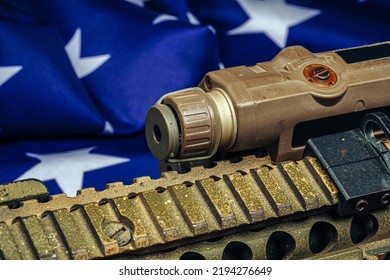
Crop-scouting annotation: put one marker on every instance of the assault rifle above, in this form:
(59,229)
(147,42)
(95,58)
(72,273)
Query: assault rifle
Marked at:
(286,159)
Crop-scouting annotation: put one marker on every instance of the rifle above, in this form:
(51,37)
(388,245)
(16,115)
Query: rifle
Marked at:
(287,159)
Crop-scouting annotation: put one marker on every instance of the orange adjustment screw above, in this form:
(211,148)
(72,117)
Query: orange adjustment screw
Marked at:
(320,75)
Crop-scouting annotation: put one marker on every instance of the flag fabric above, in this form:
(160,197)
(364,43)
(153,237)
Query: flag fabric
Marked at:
(77,77)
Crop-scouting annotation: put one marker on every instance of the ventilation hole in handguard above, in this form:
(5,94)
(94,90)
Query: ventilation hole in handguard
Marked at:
(280,245)
(363,227)
(192,256)
(322,236)
(236,250)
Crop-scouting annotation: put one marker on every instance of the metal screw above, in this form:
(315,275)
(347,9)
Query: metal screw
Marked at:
(385,199)
(119,232)
(320,73)
(361,205)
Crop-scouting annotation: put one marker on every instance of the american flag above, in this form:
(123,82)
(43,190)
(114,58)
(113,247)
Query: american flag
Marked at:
(77,77)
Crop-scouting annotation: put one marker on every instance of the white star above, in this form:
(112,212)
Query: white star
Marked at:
(83,66)
(68,168)
(7,72)
(272,17)
(139,3)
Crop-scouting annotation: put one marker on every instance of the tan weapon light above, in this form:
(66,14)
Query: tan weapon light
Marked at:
(261,106)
